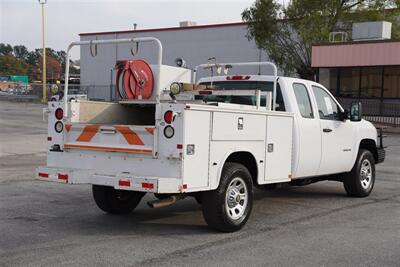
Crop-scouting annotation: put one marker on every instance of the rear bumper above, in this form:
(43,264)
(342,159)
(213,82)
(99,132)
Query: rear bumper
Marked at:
(381,155)
(123,181)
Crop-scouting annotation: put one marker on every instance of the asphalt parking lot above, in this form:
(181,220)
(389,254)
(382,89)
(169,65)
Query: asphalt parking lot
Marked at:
(51,224)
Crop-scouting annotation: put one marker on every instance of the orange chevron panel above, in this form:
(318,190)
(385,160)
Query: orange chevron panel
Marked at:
(88,133)
(150,130)
(130,136)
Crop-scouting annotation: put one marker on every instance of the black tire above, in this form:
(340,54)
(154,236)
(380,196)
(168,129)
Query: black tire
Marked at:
(199,199)
(115,201)
(216,211)
(356,183)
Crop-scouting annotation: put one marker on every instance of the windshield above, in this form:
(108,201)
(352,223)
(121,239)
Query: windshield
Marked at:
(264,86)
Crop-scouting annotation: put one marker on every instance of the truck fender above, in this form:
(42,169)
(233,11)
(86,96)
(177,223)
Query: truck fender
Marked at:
(223,161)
(367,132)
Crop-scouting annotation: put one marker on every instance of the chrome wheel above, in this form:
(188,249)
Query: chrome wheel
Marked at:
(236,198)
(366,173)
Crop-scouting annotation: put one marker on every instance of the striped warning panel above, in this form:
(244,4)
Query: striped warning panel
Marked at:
(115,138)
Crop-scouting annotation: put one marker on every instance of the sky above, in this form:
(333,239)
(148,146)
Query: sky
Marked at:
(20,20)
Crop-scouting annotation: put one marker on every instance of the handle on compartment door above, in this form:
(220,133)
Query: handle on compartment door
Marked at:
(327,130)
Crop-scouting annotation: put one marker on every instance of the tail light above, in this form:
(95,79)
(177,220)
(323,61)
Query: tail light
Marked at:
(168,116)
(237,78)
(59,114)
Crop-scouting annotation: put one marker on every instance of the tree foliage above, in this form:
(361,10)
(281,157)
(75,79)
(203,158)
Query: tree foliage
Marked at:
(287,33)
(18,60)
(12,66)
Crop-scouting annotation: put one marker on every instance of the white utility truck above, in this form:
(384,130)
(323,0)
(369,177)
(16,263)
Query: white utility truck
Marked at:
(214,139)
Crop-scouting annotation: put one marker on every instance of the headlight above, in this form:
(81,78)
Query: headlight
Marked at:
(175,88)
(58,126)
(169,131)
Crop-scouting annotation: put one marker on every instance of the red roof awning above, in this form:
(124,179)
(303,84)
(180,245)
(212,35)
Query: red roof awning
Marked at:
(356,54)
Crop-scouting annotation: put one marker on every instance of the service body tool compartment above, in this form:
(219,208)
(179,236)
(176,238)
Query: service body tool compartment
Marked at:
(229,126)
(278,150)
(196,148)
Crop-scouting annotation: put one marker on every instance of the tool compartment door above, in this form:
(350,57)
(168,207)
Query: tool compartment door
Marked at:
(197,126)
(238,127)
(278,165)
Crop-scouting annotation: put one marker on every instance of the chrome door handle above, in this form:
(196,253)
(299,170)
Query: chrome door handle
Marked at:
(327,130)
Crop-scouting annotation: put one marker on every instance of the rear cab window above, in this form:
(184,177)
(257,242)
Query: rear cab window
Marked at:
(303,100)
(264,86)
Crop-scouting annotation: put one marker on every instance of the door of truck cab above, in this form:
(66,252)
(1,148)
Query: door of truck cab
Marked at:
(337,135)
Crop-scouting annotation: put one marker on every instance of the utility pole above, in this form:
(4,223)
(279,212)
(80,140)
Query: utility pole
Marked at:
(44,99)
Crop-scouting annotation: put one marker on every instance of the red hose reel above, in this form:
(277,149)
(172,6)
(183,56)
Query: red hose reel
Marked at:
(134,79)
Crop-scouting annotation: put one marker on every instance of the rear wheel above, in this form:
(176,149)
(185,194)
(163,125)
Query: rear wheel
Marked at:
(228,208)
(360,181)
(115,201)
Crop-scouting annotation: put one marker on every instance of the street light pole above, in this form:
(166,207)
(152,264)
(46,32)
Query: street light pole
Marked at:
(44,99)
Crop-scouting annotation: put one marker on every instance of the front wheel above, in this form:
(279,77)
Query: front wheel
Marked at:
(228,208)
(115,201)
(361,179)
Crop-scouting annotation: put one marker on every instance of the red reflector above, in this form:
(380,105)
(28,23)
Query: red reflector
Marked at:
(49,138)
(188,107)
(205,92)
(124,183)
(179,146)
(63,177)
(59,114)
(237,77)
(44,175)
(168,116)
(184,186)
(147,185)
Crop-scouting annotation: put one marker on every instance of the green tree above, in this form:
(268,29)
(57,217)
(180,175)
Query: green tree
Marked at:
(10,65)
(287,33)
(6,49)
(21,52)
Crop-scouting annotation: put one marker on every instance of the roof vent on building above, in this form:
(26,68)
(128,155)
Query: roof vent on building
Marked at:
(376,30)
(187,23)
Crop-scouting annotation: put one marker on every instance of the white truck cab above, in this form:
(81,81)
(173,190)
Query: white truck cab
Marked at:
(214,141)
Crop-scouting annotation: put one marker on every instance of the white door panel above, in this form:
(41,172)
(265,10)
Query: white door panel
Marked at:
(307,134)
(278,159)
(337,146)
(309,147)
(337,136)
(196,133)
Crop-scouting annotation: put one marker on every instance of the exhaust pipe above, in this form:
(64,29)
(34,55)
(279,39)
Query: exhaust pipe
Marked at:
(160,203)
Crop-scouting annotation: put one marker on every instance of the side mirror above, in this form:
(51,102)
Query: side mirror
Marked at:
(355,111)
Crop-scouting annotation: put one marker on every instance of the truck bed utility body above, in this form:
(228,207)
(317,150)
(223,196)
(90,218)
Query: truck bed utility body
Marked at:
(205,142)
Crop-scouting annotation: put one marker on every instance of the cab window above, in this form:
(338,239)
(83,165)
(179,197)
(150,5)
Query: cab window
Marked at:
(303,100)
(244,100)
(327,107)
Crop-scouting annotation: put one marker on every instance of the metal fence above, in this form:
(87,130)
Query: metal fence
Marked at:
(376,110)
